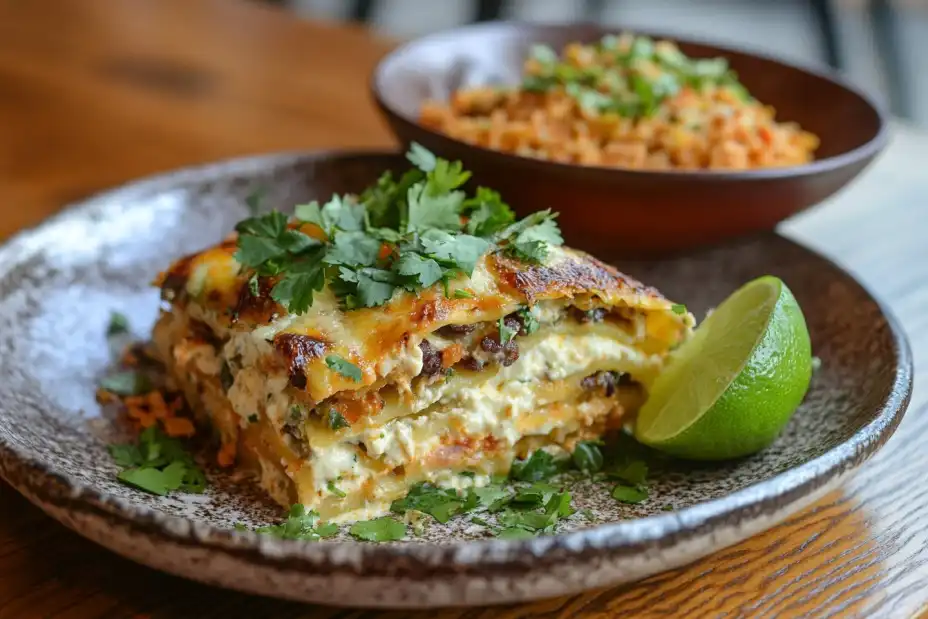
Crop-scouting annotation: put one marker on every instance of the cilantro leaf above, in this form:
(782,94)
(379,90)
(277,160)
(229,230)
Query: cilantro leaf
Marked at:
(340,212)
(336,420)
(386,203)
(428,210)
(384,529)
(330,529)
(629,494)
(300,525)
(539,466)
(126,455)
(678,308)
(417,271)
(374,287)
(489,495)
(530,323)
(421,157)
(634,472)
(295,290)
(488,213)
(344,367)
(446,177)
(127,382)
(118,324)
(253,251)
(270,225)
(148,479)
(353,249)
(515,533)
(331,487)
(158,464)
(506,334)
(587,457)
(460,293)
(461,251)
(440,503)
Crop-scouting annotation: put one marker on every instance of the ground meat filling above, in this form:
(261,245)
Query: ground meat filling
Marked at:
(431,359)
(607,381)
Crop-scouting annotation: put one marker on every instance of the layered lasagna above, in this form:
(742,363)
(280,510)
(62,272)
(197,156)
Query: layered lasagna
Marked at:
(345,402)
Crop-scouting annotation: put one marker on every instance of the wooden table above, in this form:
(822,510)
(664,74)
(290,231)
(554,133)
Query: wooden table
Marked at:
(96,92)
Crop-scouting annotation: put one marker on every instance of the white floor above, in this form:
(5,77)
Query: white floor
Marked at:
(781,27)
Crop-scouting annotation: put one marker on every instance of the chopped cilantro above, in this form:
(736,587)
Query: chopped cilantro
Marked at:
(530,323)
(678,308)
(488,214)
(506,334)
(460,293)
(515,532)
(127,382)
(411,233)
(539,466)
(336,421)
(344,367)
(587,457)
(667,508)
(634,472)
(588,514)
(300,525)
(118,324)
(331,487)
(629,494)
(418,271)
(384,529)
(158,464)
(421,157)
(440,503)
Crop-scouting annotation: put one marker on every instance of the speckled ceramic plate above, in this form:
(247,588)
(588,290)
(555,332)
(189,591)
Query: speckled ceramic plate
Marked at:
(59,283)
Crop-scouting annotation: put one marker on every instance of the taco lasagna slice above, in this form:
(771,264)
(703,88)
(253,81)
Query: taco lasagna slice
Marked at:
(408,334)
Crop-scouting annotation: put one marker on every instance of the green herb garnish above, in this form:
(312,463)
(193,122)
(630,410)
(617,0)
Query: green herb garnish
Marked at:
(409,234)
(335,489)
(119,324)
(336,420)
(629,494)
(384,529)
(506,334)
(678,308)
(587,457)
(300,525)
(530,323)
(158,464)
(343,367)
(539,466)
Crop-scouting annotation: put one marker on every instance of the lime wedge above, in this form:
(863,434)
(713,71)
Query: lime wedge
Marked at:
(730,389)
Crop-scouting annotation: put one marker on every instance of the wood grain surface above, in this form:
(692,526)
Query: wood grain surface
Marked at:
(96,92)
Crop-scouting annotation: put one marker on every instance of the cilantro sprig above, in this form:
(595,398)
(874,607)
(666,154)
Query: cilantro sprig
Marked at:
(410,234)
(158,464)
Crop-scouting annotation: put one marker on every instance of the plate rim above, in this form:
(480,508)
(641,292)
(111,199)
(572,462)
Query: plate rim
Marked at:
(35,478)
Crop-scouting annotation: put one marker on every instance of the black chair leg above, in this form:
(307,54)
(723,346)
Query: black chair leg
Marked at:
(886,36)
(488,10)
(824,14)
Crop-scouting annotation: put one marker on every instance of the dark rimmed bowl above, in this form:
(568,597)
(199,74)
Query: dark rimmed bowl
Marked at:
(643,212)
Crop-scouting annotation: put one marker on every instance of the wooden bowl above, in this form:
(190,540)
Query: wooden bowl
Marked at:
(638,211)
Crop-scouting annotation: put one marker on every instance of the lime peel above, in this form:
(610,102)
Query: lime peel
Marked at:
(730,389)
